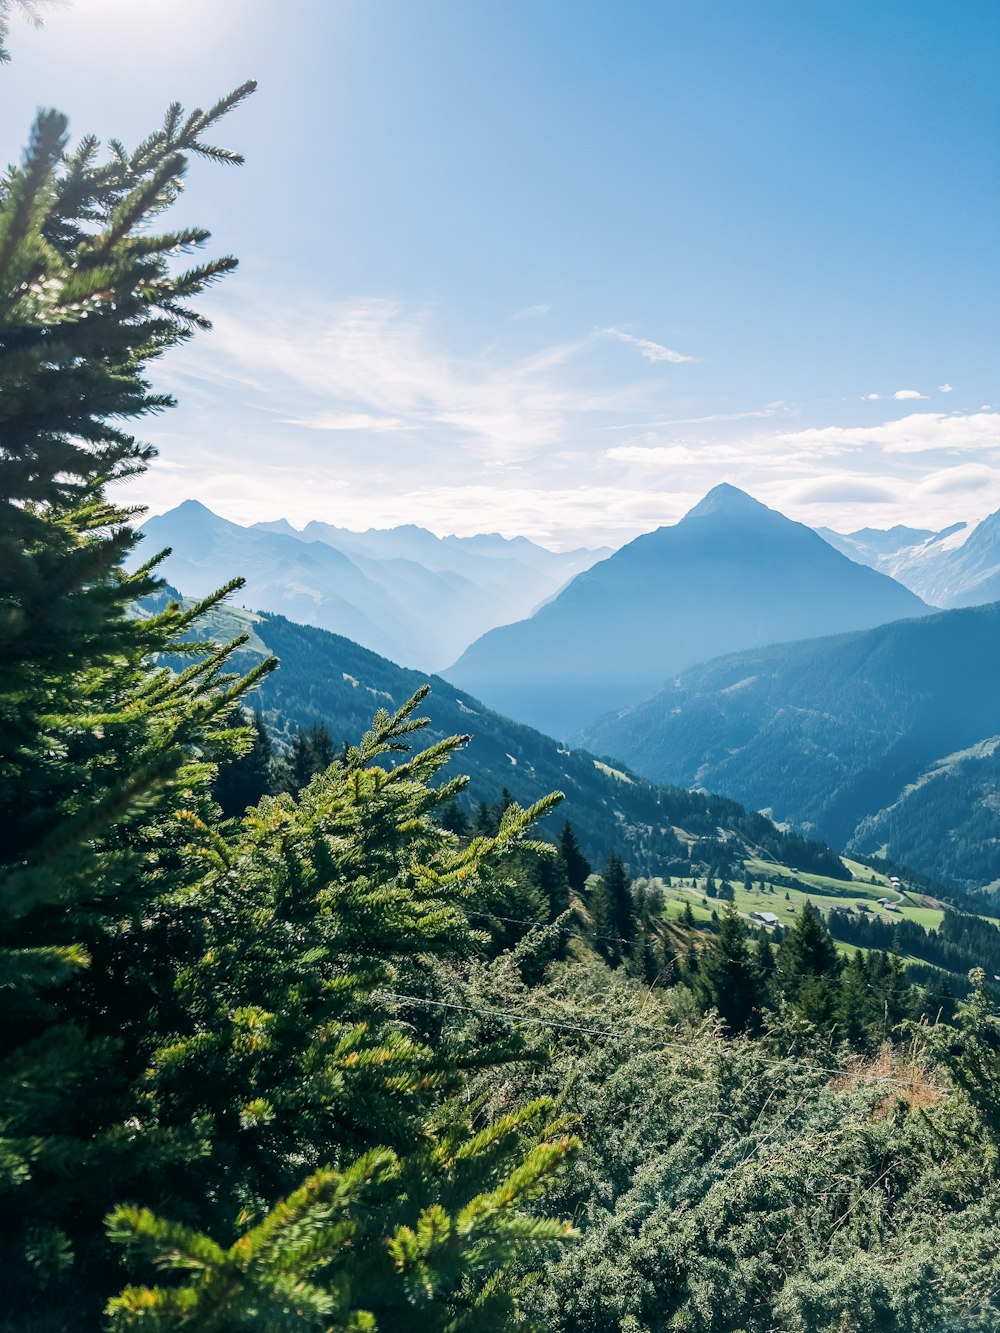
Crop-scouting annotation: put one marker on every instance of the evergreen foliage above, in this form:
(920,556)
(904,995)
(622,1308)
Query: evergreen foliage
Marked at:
(195,1013)
(577,866)
(613,912)
(99,752)
(32,10)
(302,1032)
(728,980)
(762,1184)
(248,776)
(808,963)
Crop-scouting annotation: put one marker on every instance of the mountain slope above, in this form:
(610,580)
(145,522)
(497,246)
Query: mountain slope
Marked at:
(414,597)
(950,568)
(947,820)
(832,734)
(326,678)
(872,546)
(971,574)
(731,574)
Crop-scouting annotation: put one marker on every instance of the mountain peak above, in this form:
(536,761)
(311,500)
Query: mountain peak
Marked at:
(191,507)
(729,500)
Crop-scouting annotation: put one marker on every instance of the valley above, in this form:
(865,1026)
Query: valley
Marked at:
(695,850)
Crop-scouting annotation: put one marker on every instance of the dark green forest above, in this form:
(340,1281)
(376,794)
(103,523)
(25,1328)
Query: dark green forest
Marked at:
(326,680)
(372,1054)
(875,741)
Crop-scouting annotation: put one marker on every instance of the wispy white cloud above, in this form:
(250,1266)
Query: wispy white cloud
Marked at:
(363,421)
(375,366)
(660,455)
(872,397)
(533,311)
(944,388)
(902,394)
(701,453)
(366,412)
(650,351)
(919,432)
(776,409)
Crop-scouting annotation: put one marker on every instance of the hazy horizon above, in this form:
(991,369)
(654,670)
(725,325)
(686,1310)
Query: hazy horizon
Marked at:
(558,270)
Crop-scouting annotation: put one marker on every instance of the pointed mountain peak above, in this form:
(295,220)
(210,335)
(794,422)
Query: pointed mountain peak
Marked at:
(188,516)
(728,500)
(191,508)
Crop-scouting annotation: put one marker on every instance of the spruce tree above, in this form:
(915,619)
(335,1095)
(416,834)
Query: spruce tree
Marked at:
(727,979)
(248,776)
(809,967)
(99,751)
(453,818)
(764,965)
(577,866)
(891,992)
(613,912)
(856,1009)
(195,1017)
(553,882)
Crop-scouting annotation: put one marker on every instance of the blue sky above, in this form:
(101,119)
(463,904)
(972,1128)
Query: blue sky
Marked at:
(557,267)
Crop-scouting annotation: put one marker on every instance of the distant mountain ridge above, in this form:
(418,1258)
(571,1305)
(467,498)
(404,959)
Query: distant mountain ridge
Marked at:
(951,568)
(731,574)
(410,542)
(879,741)
(414,597)
(326,678)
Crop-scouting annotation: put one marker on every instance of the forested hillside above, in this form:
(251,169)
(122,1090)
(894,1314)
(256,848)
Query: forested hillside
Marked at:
(324,678)
(848,737)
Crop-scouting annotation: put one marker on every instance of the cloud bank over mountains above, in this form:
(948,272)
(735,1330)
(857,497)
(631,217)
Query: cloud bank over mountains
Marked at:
(370,412)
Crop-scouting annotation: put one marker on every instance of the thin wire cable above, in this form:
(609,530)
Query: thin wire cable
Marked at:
(513,1016)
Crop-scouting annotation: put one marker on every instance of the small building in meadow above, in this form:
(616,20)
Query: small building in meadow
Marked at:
(765,918)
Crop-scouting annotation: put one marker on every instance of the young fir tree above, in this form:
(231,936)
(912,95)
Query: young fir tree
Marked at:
(577,866)
(809,967)
(193,1018)
(316,1036)
(248,776)
(98,751)
(613,912)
